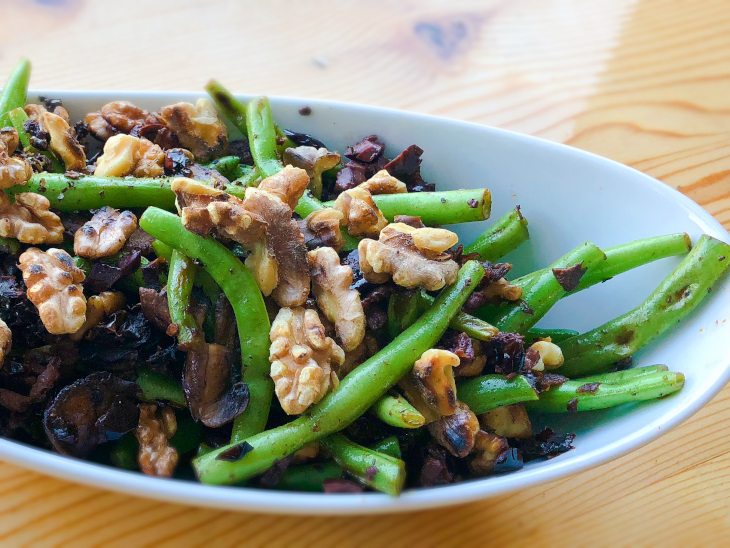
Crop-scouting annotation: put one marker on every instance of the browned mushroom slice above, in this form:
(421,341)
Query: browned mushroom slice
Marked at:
(212,396)
(457,432)
(314,161)
(487,449)
(91,411)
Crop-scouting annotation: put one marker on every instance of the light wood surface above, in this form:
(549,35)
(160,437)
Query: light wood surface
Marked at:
(645,82)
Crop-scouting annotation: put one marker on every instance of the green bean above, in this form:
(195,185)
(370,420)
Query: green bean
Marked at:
(624,257)
(679,293)
(156,386)
(241,290)
(488,392)
(90,192)
(544,291)
(377,470)
(308,477)
(436,208)
(262,136)
(202,278)
(502,237)
(248,176)
(624,375)
(15,90)
(308,204)
(388,446)
(9,246)
(179,288)
(396,411)
(124,453)
(357,392)
(466,323)
(232,108)
(576,396)
(228,166)
(17,118)
(403,310)
(556,335)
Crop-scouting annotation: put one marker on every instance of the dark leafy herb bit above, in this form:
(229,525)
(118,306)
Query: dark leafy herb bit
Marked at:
(407,167)
(588,388)
(303,139)
(545,445)
(338,485)
(236,453)
(569,277)
(505,353)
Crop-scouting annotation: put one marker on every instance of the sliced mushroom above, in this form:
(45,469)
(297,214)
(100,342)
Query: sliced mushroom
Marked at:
(212,396)
(487,450)
(314,161)
(457,432)
(91,411)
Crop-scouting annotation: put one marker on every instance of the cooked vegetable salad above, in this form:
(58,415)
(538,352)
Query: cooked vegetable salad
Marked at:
(200,293)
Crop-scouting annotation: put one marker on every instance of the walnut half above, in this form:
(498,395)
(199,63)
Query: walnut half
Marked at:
(105,234)
(53,281)
(301,359)
(331,283)
(29,219)
(197,127)
(414,257)
(13,170)
(156,457)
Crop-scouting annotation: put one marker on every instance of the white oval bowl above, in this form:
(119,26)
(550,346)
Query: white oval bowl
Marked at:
(568,196)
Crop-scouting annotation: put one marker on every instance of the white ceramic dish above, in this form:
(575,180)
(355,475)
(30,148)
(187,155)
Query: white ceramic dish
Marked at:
(568,196)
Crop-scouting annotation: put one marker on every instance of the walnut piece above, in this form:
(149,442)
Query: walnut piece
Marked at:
(53,281)
(551,356)
(341,305)
(487,449)
(126,155)
(156,457)
(361,216)
(457,432)
(13,170)
(197,127)
(205,210)
(321,228)
(314,161)
(6,341)
(63,141)
(434,377)
(383,183)
(105,234)
(414,257)
(99,307)
(118,117)
(509,421)
(29,219)
(288,185)
(301,358)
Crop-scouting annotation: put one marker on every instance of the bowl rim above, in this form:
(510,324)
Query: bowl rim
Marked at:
(287,502)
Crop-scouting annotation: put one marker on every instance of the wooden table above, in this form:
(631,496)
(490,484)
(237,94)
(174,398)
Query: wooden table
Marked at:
(645,82)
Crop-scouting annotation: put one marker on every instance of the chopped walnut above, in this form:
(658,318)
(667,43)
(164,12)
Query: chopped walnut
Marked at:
(434,377)
(6,341)
(457,432)
(315,161)
(63,141)
(414,257)
(383,183)
(13,170)
(487,449)
(35,112)
(284,244)
(361,216)
(288,185)
(331,283)
(29,219)
(156,457)
(126,155)
(501,290)
(118,117)
(105,234)
(509,421)
(551,356)
(205,210)
(301,358)
(99,307)
(53,281)
(321,228)
(306,453)
(197,127)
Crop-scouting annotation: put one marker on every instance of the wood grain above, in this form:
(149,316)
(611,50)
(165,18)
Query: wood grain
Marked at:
(643,82)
